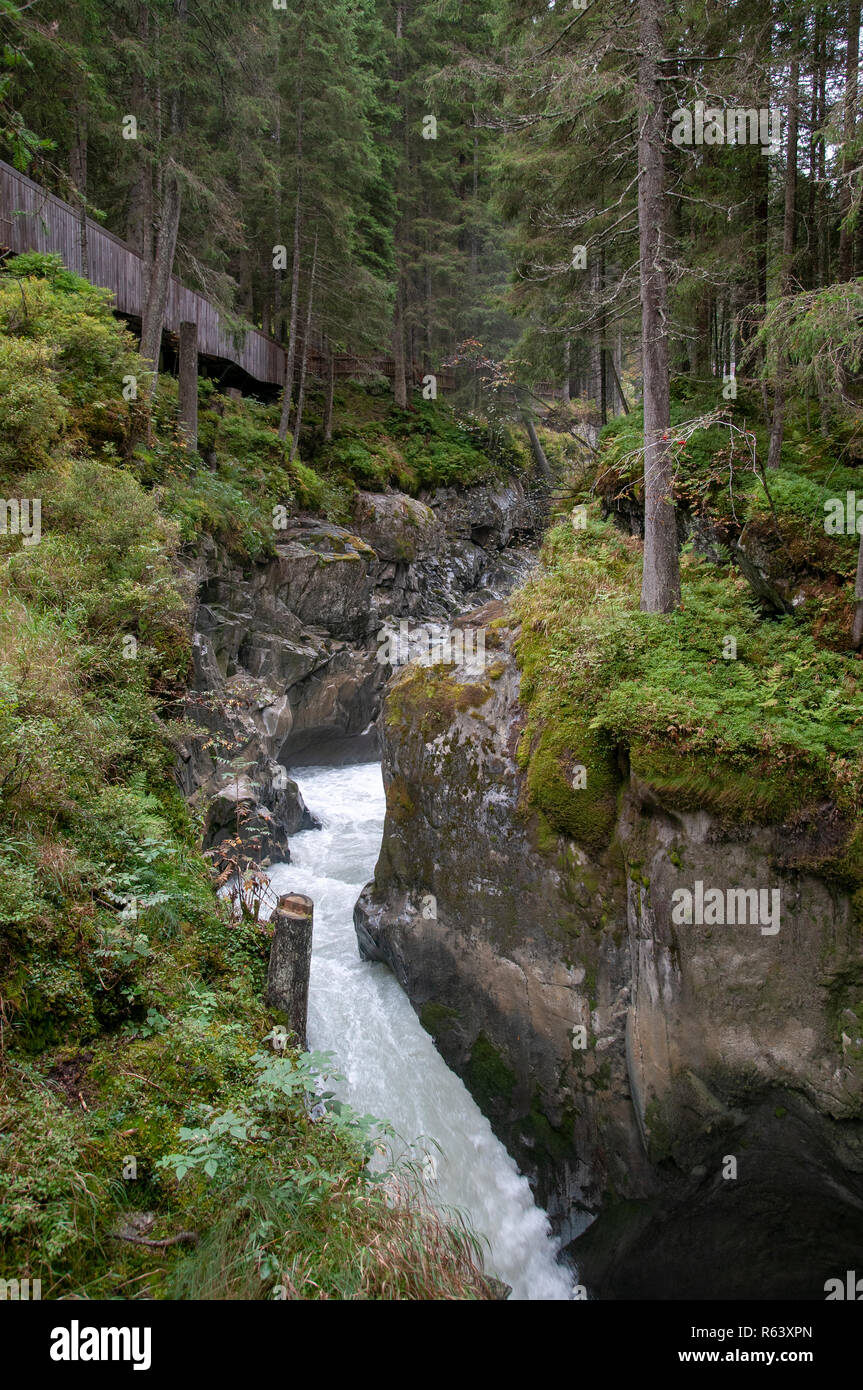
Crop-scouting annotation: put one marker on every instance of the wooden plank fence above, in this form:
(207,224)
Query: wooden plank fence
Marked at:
(32,219)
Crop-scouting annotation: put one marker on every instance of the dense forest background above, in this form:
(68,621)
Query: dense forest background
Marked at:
(416,176)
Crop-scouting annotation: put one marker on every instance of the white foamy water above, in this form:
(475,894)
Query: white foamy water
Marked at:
(358,1012)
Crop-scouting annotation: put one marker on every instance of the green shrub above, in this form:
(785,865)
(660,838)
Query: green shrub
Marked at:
(32,410)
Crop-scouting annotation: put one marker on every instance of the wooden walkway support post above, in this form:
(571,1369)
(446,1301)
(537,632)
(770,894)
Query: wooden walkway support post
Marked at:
(189,383)
(290,961)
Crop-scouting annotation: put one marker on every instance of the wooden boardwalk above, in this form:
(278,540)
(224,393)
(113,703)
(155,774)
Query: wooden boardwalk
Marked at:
(31,219)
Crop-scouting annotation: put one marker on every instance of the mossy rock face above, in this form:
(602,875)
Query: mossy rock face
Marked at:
(573,782)
(553,1142)
(399,803)
(399,528)
(739,794)
(555,923)
(430,698)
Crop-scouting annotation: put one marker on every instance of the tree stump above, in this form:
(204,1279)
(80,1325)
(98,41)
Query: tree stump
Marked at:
(290,961)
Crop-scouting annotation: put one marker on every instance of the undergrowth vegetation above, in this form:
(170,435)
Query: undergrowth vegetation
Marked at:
(713,706)
(720,484)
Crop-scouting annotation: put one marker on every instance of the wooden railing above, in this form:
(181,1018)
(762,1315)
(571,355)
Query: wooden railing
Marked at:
(32,219)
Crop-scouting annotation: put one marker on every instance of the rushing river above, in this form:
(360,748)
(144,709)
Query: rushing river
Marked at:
(391,1067)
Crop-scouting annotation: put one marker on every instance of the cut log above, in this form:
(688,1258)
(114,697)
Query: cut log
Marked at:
(290,962)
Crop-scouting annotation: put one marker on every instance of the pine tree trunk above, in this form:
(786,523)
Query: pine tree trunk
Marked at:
(331,390)
(301,393)
(140,217)
(857,630)
(153,318)
(276,297)
(474,231)
(825,409)
(429,312)
(78,175)
(823,232)
(812,230)
(774,451)
(400,388)
(287,395)
(762,183)
(594,370)
(617,382)
(567,353)
(852,50)
(660,589)
(701,365)
(188,384)
(537,449)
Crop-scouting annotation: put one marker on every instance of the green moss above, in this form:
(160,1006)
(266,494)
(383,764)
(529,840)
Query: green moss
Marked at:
(756,793)
(553,1143)
(334,559)
(376,446)
(590,985)
(604,685)
(399,804)
(659,1133)
(428,698)
(436,1018)
(585,813)
(488,1077)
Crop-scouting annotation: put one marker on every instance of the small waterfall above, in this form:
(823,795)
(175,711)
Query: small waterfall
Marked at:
(358,1012)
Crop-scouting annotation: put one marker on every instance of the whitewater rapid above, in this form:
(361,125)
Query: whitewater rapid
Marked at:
(391,1067)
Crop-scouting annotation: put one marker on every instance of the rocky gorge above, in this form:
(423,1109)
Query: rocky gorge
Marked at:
(289,654)
(669,1087)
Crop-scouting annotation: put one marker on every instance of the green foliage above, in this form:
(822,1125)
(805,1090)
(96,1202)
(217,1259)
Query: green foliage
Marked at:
(321,494)
(32,410)
(817,337)
(89,353)
(429,446)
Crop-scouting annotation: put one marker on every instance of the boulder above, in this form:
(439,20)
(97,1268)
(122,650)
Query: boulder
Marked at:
(399,528)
